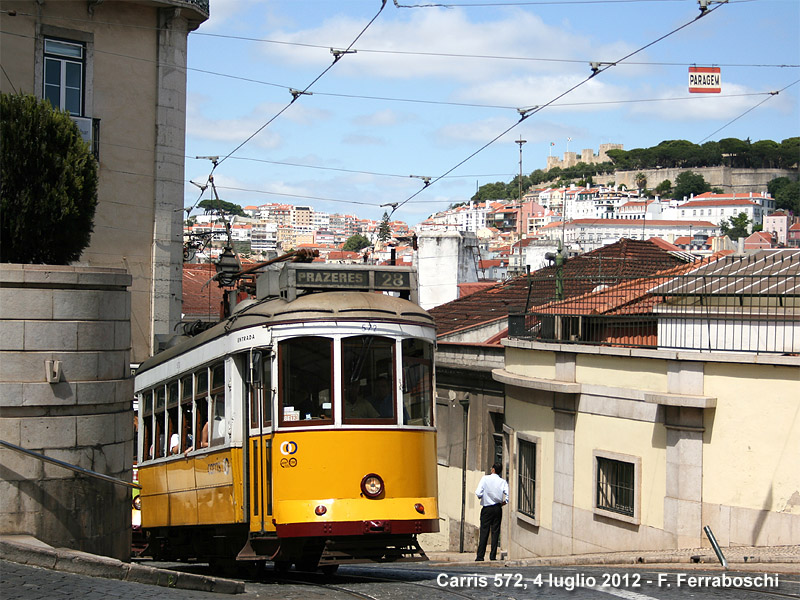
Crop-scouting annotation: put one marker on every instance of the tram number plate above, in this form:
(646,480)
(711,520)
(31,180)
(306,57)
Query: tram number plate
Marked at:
(392,280)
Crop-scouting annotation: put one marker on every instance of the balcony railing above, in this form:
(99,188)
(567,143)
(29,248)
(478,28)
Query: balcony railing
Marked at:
(737,305)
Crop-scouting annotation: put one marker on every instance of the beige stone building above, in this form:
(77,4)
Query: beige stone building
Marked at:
(120,69)
(636,425)
(631,413)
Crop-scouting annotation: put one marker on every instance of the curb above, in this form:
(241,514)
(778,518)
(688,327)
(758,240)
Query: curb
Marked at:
(662,558)
(29,551)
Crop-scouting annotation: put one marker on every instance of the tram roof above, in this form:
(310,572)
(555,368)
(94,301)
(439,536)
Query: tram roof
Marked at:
(323,306)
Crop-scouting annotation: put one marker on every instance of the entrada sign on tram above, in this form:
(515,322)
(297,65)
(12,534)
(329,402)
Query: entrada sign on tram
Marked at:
(705,80)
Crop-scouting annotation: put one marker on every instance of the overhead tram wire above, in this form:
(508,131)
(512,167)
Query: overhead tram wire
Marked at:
(304,91)
(771,95)
(295,95)
(401,52)
(480,56)
(537,3)
(597,68)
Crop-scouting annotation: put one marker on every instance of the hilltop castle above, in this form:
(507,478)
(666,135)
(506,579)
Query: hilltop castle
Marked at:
(587,156)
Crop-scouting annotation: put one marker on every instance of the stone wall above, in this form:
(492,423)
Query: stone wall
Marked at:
(66,392)
(730,180)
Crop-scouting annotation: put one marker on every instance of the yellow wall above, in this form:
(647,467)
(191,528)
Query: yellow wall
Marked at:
(537,421)
(645,440)
(531,363)
(634,373)
(751,455)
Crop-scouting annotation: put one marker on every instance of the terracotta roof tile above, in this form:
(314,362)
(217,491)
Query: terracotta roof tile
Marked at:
(626,258)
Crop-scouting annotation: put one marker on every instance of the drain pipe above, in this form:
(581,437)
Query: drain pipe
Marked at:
(464,402)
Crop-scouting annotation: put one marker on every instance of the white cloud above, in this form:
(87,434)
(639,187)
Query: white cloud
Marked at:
(382,118)
(444,33)
(355,139)
(679,105)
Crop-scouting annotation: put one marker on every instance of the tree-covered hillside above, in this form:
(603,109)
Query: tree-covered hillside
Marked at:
(732,152)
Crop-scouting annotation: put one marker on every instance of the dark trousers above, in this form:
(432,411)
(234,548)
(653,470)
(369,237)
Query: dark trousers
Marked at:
(490,521)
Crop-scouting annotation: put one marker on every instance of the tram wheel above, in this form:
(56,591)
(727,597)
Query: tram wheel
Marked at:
(329,569)
(308,566)
(282,566)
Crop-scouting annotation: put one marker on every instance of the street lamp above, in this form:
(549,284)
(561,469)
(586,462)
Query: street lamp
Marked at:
(520,141)
(464,402)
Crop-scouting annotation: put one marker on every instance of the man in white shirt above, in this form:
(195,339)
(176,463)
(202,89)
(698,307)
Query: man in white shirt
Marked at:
(493,494)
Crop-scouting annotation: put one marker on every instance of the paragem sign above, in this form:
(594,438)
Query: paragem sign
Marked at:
(705,80)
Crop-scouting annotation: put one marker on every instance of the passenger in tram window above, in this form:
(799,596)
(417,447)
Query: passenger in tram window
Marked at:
(218,429)
(356,406)
(203,439)
(174,443)
(204,436)
(384,398)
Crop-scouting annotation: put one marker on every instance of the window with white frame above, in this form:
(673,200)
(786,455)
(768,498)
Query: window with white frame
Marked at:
(64,67)
(617,483)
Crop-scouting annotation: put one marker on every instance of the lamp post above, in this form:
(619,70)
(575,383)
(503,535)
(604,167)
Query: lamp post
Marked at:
(464,402)
(520,141)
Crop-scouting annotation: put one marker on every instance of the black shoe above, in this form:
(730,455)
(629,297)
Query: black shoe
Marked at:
(478,560)
(492,558)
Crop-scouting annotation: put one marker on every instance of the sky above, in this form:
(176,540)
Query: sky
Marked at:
(435,90)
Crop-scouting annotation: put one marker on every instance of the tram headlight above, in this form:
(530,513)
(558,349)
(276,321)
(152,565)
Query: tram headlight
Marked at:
(372,485)
(137,503)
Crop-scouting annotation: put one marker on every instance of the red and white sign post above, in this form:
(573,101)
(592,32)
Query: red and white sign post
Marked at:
(705,80)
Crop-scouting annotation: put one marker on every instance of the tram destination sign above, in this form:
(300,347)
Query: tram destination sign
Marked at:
(354,279)
(286,280)
(705,80)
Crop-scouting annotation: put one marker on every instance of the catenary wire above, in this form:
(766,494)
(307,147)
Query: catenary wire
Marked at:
(772,94)
(305,89)
(601,67)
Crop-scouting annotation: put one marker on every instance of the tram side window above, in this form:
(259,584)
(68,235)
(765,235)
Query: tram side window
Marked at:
(147,424)
(306,381)
(368,379)
(201,408)
(174,444)
(159,448)
(187,389)
(218,404)
(417,382)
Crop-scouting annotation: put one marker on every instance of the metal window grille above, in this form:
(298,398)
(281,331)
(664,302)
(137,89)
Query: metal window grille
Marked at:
(526,501)
(615,486)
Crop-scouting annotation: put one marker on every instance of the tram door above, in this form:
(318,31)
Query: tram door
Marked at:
(259,394)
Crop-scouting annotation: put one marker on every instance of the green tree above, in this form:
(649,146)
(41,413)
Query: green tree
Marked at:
(765,154)
(229,208)
(788,197)
(735,152)
(663,189)
(776,184)
(735,227)
(491,191)
(384,231)
(355,243)
(48,183)
(641,182)
(790,153)
(688,183)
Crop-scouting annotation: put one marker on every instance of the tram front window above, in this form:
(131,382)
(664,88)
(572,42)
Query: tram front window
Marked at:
(417,382)
(306,381)
(368,379)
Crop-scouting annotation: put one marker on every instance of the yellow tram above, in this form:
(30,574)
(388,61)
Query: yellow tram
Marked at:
(299,430)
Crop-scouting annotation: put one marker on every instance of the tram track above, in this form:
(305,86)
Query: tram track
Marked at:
(401,579)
